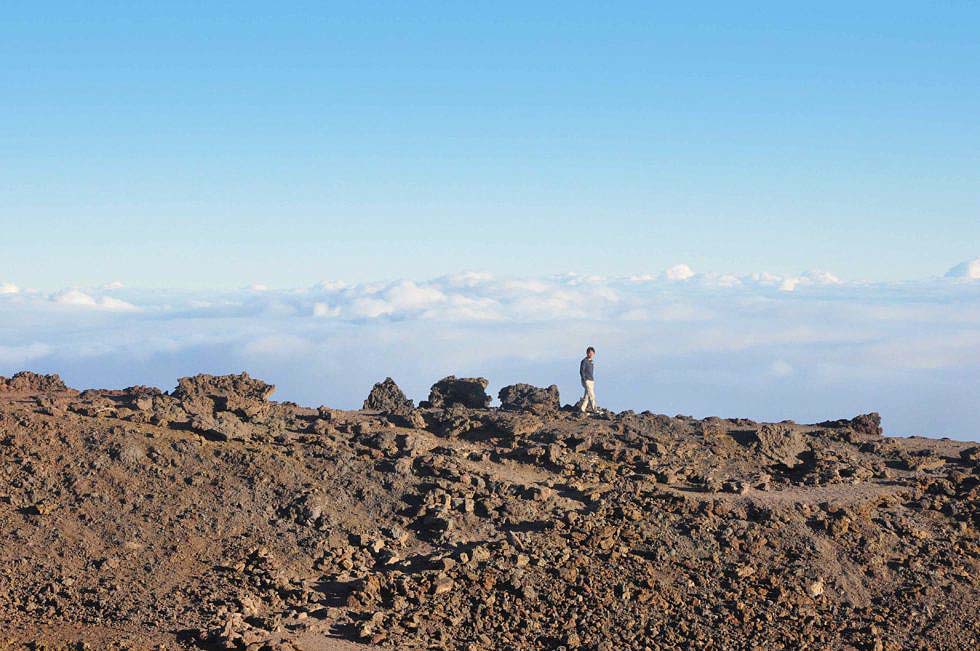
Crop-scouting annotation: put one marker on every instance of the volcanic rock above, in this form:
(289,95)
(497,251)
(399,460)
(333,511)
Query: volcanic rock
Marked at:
(206,395)
(781,444)
(29,382)
(261,525)
(242,387)
(386,396)
(971,454)
(526,397)
(867,424)
(465,392)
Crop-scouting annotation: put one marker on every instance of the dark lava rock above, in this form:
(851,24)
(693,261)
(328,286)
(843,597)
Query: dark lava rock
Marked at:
(465,391)
(526,397)
(388,397)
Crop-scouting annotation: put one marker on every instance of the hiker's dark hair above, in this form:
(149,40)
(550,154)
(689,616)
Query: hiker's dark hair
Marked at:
(590,349)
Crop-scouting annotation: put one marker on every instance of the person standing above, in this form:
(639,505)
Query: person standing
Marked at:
(586,371)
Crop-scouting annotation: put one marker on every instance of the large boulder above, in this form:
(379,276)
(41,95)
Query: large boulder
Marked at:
(387,397)
(527,397)
(465,391)
(204,395)
(781,444)
(241,386)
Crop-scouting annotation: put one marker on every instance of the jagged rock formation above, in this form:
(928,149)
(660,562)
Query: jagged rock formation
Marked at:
(526,397)
(387,397)
(214,518)
(465,391)
(29,382)
(781,444)
(204,394)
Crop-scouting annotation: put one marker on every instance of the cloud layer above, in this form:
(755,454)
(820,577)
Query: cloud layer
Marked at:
(808,346)
(969,270)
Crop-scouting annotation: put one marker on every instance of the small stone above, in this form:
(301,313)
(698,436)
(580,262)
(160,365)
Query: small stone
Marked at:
(445,564)
(480,554)
(442,584)
(744,571)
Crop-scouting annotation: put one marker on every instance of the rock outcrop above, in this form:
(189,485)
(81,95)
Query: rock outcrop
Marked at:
(465,391)
(224,407)
(223,390)
(29,382)
(780,444)
(867,424)
(526,397)
(386,396)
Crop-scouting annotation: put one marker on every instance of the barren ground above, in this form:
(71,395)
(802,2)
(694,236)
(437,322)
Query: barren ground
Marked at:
(211,517)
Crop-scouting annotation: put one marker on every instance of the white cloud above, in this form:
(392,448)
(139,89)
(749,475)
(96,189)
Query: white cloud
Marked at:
(370,308)
(789,284)
(466,279)
(969,270)
(527,285)
(16,356)
(277,345)
(110,303)
(822,278)
(78,298)
(783,283)
(636,314)
(684,312)
(765,278)
(728,280)
(464,308)
(406,295)
(74,297)
(679,272)
(324,310)
(641,278)
(725,344)
(330,285)
(9,288)
(781,368)
(115,284)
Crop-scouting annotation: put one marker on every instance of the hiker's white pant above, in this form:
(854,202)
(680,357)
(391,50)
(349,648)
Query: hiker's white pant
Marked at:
(588,400)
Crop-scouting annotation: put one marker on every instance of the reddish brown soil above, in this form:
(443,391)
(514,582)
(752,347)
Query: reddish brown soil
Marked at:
(213,518)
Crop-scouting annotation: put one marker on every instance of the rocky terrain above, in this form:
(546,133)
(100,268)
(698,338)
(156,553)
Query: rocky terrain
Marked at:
(211,517)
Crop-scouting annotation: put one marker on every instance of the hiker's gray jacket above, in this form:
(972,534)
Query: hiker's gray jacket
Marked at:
(585,370)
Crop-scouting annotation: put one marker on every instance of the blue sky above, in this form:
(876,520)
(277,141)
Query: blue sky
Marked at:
(207,145)
(750,211)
